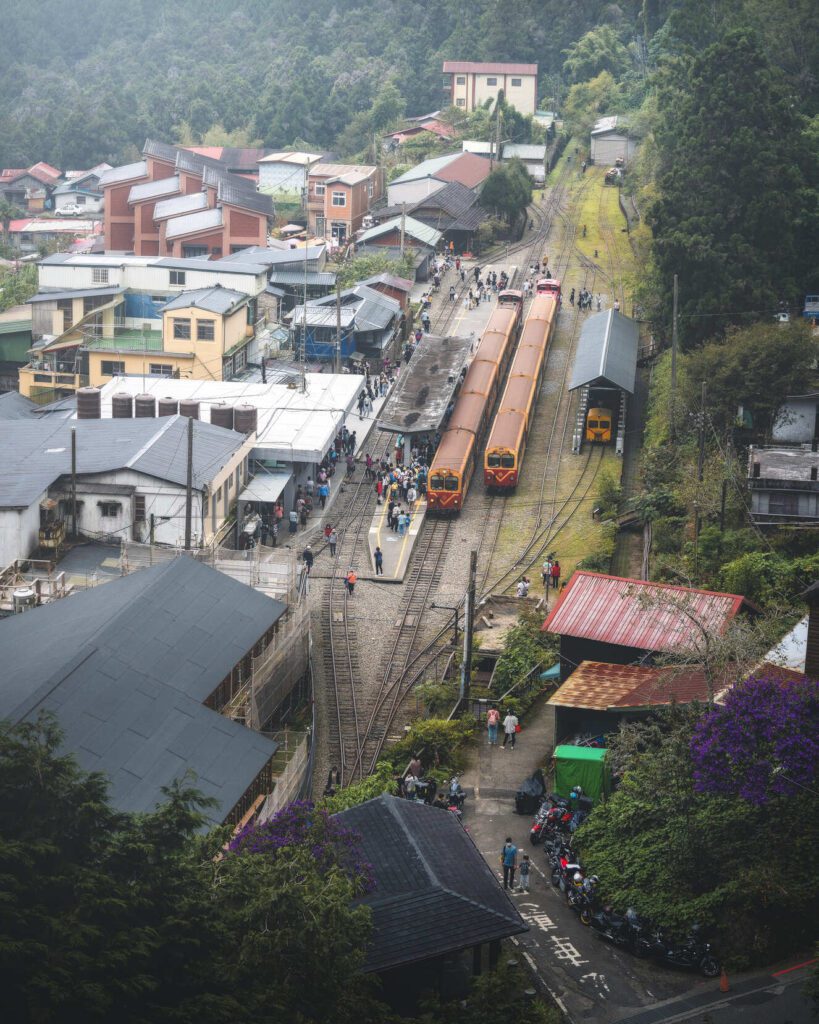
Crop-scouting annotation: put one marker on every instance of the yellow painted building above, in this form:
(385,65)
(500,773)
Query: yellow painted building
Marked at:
(200,328)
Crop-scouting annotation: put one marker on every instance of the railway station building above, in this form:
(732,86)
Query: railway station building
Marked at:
(294,426)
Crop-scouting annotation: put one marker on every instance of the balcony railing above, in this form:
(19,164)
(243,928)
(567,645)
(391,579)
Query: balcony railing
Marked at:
(763,483)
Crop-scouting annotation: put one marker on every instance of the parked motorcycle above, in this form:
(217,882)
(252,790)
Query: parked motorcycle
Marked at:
(628,931)
(582,899)
(548,814)
(692,953)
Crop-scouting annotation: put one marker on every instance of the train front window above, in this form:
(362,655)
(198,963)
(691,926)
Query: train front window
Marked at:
(436,483)
(593,424)
(605,424)
(508,461)
(451,483)
(493,460)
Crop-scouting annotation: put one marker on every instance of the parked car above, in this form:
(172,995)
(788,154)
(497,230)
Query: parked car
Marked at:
(69,210)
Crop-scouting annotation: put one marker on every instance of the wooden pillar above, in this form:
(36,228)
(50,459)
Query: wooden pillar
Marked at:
(494,953)
(476,960)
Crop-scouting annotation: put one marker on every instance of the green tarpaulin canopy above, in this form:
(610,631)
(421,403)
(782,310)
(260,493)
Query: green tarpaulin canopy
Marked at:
(551,673)
(582,766)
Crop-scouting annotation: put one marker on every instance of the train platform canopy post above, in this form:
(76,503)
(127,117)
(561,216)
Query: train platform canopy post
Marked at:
(582,766)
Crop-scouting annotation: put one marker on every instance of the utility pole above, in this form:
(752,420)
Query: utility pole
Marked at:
(337,361)
(674,363)
(403,226)
(469,623)
(74,482)
(700,469)
(189,487)
(304,335)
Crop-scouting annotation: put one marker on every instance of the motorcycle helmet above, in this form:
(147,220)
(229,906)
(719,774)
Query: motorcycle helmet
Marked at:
(594,880)
(578,878)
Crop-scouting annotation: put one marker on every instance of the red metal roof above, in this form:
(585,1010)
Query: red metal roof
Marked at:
(601,686)
(636,613)
(45,172)
(480,68)
(468,168)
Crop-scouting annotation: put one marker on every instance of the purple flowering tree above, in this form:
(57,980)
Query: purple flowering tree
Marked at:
(301,825)
(763,742)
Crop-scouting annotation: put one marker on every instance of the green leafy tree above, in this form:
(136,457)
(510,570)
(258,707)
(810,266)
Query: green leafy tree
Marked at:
(680,857)
(508,191)
(109,916)
(756,367)
(596,51)
(727,215)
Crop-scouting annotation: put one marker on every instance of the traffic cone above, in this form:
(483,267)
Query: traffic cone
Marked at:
(723,982)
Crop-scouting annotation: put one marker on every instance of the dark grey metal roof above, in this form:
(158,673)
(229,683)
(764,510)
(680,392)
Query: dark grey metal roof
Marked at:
(37,453)
(126,670)
(273,257)
(426,386)
(214,300)
(14,406)
(373,310)
(247,198)
(160,150)
(73,293)
(220,266)
(294,277)
(607,352)
(434,892)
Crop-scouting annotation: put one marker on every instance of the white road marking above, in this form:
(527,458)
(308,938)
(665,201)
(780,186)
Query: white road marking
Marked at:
(564,950)
(599,982)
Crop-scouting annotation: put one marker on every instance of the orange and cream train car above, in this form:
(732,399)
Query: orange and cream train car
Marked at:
(506,444)
(454,461)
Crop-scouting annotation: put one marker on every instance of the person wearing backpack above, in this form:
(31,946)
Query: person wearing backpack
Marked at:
(492,722)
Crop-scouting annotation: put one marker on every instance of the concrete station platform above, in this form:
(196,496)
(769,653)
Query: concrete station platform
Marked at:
(397,549)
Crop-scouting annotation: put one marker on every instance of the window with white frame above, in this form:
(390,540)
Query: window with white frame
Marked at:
(517,82)
(99,275)
(320,188)
(109,509)
(491,81)
(460,80)
(160,369)
(460,103)
(339,198)
(177,276)
(112,368)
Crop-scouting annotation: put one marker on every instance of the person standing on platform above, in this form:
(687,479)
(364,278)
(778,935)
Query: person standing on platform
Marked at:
(379,562)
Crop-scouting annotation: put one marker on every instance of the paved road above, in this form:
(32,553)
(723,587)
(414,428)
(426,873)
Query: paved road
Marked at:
(589,977)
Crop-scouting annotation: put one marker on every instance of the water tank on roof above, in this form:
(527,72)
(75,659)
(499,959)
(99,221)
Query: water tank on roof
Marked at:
(89,405)
(23,599)
(144,406)
(168,407)
(222,416)
(122,406)
(245,418)
(187,407)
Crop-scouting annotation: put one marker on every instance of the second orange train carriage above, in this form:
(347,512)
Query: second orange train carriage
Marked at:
(454,461)
(506,445)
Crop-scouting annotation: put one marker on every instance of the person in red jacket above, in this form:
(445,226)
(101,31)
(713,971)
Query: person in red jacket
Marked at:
(555,574)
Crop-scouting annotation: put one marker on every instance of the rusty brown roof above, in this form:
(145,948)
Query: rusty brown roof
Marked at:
(601,686)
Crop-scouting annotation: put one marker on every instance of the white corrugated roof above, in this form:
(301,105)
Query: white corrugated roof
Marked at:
(193,222)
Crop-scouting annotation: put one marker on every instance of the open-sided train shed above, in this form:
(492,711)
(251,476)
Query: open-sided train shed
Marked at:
(425,387)
(605,369)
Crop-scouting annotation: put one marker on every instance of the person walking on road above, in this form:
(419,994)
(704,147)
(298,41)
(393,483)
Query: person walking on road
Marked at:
(571,296)
(510,729)
(492,722)
(525,866)
(509,862)
(379,562)
(555,574)
(332,540)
